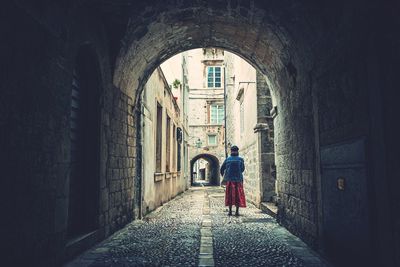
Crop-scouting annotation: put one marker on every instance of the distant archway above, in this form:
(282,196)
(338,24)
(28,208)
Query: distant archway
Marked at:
(213,168)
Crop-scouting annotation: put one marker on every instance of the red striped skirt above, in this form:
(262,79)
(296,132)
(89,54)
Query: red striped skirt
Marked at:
(234,194)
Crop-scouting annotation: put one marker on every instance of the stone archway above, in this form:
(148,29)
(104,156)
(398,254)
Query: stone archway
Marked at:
(282,50)
(276,51)
(214,164)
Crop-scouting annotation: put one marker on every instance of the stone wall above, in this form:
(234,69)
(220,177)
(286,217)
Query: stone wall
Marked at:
(251,175)
(345,110)
(37,71)
(295,159)
(387,99)
(120,164)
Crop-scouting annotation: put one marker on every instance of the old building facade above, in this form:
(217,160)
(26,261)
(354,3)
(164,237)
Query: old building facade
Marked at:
(162,151)
(206,112)
(249,126)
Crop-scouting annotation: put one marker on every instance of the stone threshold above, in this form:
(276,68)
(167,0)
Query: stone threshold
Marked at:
(77,245)
(270,208)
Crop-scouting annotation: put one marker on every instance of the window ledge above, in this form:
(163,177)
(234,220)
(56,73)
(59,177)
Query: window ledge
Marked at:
(158,176)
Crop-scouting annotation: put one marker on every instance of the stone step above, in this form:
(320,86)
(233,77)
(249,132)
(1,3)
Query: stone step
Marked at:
(270,208)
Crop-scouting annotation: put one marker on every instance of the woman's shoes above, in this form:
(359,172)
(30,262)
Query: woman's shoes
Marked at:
(236,214)
(230,213)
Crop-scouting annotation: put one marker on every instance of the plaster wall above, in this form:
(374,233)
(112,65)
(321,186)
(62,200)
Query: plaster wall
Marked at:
(161,187)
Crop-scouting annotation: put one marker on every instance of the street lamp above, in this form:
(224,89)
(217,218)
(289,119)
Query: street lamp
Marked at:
(198,143)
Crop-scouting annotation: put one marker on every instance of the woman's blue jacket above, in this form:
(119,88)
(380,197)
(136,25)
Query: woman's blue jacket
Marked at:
(233,167)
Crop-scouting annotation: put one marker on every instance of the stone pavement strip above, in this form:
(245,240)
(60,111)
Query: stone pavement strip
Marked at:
(206,256)
(194,230)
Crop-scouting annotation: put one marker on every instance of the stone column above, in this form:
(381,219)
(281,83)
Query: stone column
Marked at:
(266,162)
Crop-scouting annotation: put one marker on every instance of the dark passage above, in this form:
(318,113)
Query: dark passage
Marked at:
(85,145)
(209,174)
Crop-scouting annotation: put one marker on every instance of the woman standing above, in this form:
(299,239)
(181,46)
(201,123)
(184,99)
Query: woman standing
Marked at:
(233,168)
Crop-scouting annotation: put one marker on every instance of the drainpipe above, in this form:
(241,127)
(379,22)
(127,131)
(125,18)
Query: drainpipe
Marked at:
(226,139)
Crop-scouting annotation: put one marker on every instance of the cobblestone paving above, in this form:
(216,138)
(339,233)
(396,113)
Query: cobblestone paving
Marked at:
(171,235)
(248,240)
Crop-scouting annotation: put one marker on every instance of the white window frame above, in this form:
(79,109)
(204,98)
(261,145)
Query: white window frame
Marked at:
(216,139)
(212,79)
(217,121)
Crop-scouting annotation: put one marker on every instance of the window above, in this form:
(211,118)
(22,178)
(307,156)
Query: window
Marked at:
(159,138)
(179,138)
(217,114)
(178,167)
(174,147)
(212,140)
(168,145)
(213,77)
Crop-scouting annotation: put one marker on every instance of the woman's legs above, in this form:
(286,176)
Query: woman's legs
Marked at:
(230,210)
(237,210)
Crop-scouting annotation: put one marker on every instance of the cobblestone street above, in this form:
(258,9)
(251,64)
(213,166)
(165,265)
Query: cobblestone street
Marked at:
(194,230)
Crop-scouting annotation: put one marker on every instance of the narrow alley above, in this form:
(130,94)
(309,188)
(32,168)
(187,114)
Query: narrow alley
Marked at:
(194,230)
(118,117)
